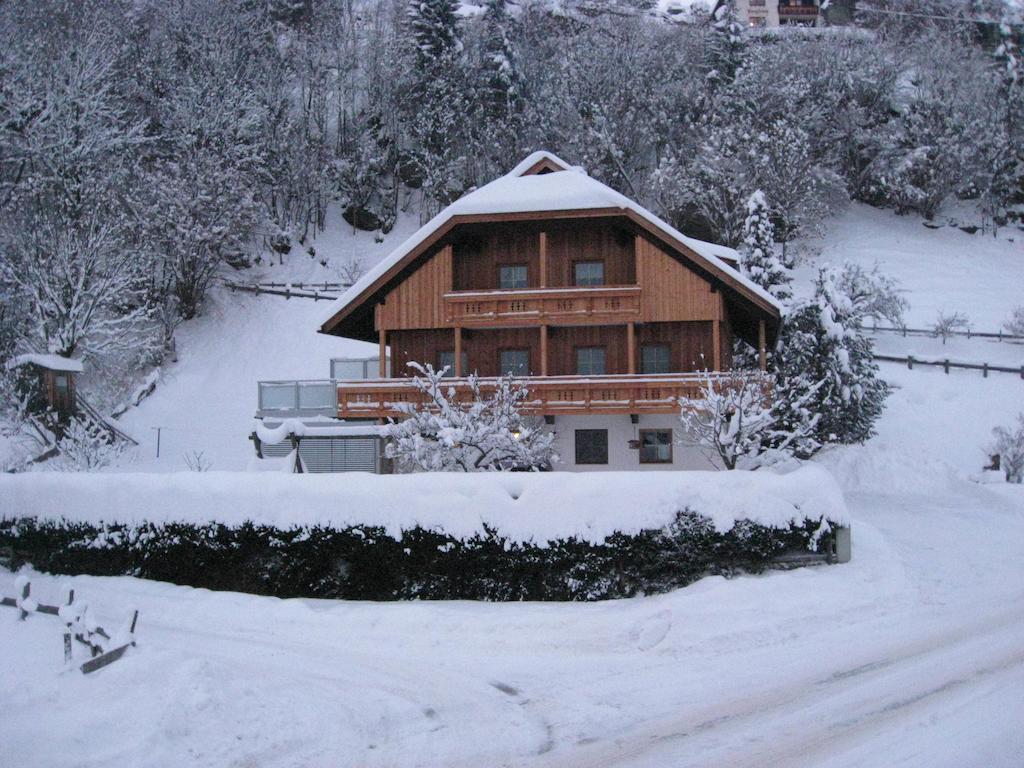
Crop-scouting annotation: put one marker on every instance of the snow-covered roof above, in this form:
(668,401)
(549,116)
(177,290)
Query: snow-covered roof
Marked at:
(569,190)
(50,362)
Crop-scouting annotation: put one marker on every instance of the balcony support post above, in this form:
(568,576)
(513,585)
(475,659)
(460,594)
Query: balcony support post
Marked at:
(716,343)
(458,351)
(543,350)
(383,367)
(631,346)
(543,277)
(762,351)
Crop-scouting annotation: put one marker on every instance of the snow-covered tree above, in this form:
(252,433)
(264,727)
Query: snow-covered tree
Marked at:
(823,348)
(758,259)
(872,293)
(734,420)
(948,324)
(80,281)
(1008,443)
(486,433)
(725,44)
(1015,325)
(434,26)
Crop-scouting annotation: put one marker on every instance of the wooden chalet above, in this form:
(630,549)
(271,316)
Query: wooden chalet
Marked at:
(604,309)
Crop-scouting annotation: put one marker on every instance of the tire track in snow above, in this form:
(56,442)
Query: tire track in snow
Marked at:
(952,660)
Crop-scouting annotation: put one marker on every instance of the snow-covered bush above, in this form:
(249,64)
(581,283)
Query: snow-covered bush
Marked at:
(1008,443)
(366,562)
(84,447)
(948,324)
(823,364)
(486,433)
(1015,325)
(735,420)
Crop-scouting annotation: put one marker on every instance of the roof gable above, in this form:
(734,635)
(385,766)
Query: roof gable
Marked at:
(524,193)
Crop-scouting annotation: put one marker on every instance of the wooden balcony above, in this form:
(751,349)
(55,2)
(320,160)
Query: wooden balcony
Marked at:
(549,395)
(597,305)
(798,11)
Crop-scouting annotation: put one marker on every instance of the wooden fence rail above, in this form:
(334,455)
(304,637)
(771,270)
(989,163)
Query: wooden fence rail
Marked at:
(293,290)
(998,335)
(910,361)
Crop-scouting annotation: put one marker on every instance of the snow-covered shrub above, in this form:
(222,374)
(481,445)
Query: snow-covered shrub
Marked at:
(369,563)
(1008,443)
(84,447)
(486,433)
(1015,325)
(823,364)
(736,422)
(196,461)
(948,324)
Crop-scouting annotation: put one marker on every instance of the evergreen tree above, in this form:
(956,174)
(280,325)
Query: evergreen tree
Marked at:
(502,80)
(434,26)
(726,45)
(757,255)
(822,348)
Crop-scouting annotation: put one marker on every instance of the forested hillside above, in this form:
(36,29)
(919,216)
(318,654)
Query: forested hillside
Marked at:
(148,147)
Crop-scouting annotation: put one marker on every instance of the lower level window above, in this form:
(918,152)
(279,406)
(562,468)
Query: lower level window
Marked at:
(655,446)
(591,446)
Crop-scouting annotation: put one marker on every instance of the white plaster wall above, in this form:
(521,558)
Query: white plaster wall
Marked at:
(620,431)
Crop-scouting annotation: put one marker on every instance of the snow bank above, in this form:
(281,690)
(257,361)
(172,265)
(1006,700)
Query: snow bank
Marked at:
(520,506)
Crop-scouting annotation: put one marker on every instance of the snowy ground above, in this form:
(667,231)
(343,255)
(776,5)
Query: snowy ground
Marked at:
(911,655)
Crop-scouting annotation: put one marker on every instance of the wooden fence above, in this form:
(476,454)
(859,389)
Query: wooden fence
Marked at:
(947,364)
(998,335)
(315,291)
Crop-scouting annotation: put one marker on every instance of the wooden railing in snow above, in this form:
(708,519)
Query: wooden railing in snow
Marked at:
(533,306)
(548,395)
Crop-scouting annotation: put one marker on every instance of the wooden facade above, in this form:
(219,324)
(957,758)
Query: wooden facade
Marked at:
(545,285)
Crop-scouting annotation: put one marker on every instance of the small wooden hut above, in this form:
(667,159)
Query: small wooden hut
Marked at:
(49,383)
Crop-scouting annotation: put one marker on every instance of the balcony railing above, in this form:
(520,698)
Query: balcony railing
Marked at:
(534,306)
(548,395)
(802,11)
(314,397)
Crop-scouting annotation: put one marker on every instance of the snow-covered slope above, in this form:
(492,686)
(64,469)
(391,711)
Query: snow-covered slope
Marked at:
(941,269)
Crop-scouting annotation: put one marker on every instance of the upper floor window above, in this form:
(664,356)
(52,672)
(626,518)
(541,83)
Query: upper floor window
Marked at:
(590,361)
(446,359)
(655,358)
(515,361)
(588,273)
(512,276)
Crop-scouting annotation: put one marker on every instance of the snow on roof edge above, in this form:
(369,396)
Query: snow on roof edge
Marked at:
(50,362)
(617,199)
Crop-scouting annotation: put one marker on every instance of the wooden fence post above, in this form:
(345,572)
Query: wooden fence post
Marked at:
(946,365)
(984,370)
(910,362)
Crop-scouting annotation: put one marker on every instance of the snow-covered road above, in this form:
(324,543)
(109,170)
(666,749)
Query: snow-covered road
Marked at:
(910,655)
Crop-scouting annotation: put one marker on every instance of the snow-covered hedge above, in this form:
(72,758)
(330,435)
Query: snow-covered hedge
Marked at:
(491,536)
